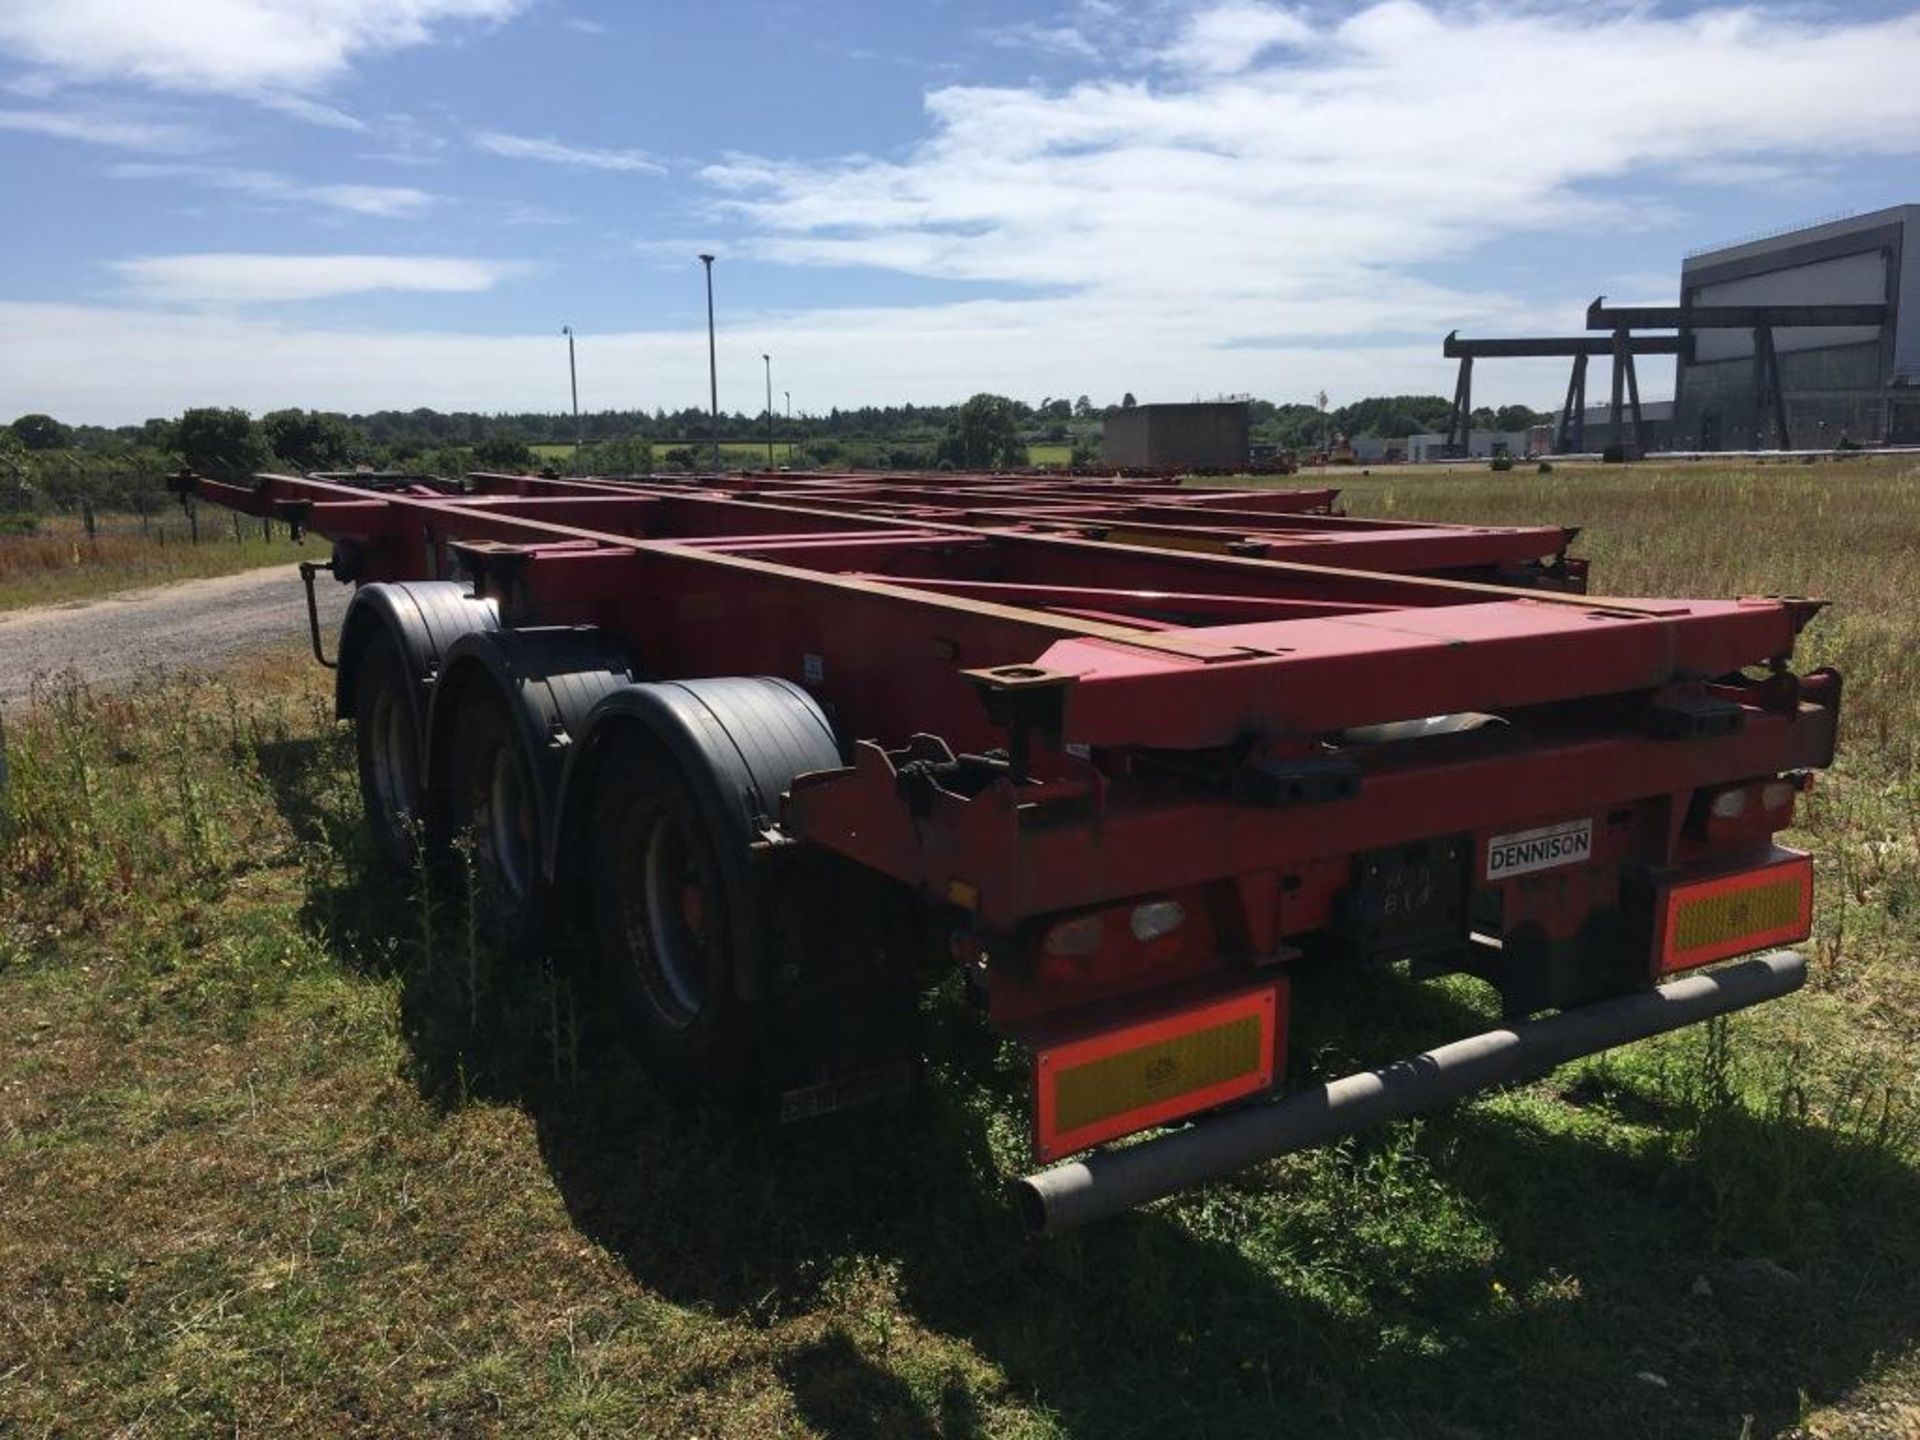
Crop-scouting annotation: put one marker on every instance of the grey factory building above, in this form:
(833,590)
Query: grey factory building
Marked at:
(1857,384)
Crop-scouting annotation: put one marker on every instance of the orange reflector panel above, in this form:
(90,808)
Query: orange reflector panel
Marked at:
(1132,1076)
(1707,920)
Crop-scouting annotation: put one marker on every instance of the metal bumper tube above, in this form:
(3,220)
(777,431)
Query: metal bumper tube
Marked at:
(1109,1181)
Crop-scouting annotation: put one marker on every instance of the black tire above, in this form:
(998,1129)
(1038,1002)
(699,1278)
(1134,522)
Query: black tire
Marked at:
(493,821)
(387,739)
(665,899)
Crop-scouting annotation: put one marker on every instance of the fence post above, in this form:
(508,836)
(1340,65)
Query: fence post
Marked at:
(236,527)
(86,516)
(193,522)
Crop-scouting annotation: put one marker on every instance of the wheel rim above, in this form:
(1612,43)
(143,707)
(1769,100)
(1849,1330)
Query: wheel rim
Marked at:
(391,752)
(506,825)
(668,916)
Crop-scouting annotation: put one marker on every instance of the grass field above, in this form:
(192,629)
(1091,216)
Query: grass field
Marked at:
(734,452)
(737,452)
(286,1151)
(59,563)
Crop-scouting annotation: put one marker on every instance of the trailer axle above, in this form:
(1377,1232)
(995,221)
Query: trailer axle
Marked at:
(1109,1181)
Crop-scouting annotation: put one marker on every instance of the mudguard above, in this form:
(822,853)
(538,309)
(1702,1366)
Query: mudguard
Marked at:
(739,741)
(551,678)
(425,618)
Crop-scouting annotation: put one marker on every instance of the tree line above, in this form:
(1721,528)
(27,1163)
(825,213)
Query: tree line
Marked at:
(45,462)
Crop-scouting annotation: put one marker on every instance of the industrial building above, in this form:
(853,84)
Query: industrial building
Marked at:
(1429,446)
(1857,383)
(1808,339)
(1210,436)
(1656,427)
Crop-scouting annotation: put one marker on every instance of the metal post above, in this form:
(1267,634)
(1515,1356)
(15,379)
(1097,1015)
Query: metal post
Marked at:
(1615,437)
(1563,442)
(1633,402)
(573,378)
(713,368)
(1580,411)
(1773,399)
(769,361)
(789,395)
(1460,419)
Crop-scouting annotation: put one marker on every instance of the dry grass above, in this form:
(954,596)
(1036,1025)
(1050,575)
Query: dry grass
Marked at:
(60,562)
(283,1152)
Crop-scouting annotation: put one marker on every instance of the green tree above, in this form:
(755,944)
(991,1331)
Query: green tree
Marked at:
(1518,417)
(503,452)
(1127,402)
(617,457)
(983,435)
(15,468)
(447,461)
(308,439)
(225,444)
(1392,417)
(41,432)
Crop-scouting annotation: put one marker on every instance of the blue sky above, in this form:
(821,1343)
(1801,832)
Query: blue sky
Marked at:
(364,203)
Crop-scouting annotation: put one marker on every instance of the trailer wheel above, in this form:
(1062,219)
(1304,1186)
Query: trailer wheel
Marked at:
(491,807)
(662,905)
(388,747)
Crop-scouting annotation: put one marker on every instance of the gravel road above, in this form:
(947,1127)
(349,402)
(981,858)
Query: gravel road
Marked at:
(192,625)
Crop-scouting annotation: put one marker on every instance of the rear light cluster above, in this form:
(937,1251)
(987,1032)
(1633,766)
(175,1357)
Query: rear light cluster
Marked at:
(1741,799)
(1752,807)
(1085,935)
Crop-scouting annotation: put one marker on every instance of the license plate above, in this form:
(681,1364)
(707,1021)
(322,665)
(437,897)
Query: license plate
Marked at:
(1407,901)
(1548,848)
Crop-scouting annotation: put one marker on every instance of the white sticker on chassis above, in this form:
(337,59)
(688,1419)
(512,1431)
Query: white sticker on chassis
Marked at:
(1547,848)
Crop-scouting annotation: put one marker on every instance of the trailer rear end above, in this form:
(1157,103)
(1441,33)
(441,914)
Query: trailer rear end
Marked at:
(780,761)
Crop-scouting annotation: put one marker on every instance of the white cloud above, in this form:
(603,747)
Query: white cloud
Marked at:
(1227,39)
(1195,231)
(581,25)
(239,279)
(524,147)
(392,202)
(95,127)
(1177,231)
(105,365)
(313,112)
(259,49)
(1068,40)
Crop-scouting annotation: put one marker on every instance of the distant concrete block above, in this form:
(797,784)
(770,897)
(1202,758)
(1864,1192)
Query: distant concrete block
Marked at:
(1212,436)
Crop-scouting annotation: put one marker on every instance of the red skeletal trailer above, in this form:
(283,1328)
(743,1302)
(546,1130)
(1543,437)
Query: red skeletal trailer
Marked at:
(1110,747)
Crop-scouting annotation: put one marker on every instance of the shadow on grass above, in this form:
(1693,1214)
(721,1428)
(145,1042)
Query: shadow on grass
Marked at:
(1518,1268)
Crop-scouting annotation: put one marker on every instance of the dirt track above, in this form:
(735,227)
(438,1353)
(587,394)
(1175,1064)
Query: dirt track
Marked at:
(192,625)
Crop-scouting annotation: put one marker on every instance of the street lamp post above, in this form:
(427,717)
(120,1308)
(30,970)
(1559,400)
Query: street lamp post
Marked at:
(769,362)
(573,379)
(713,368)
